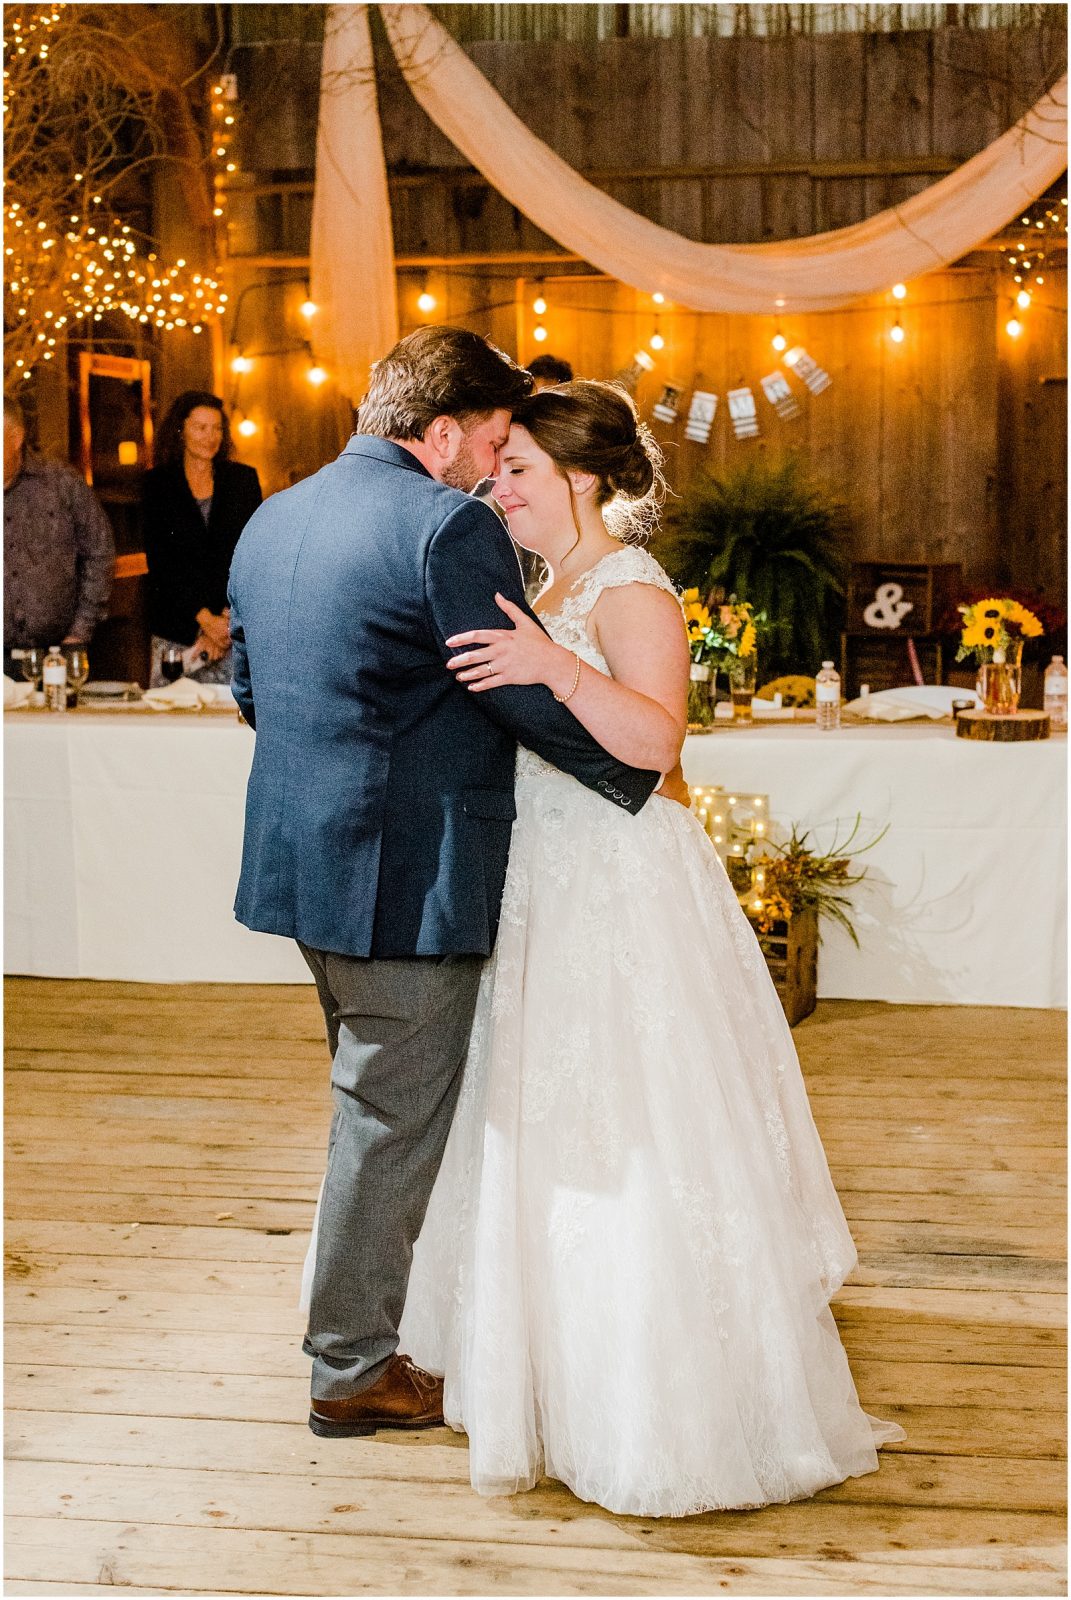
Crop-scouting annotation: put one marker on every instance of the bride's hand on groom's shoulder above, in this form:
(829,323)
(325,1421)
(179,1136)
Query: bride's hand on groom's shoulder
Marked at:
(522,653)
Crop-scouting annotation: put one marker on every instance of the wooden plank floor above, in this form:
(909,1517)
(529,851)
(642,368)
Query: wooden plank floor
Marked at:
(164,1147)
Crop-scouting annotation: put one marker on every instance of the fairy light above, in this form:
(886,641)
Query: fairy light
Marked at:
(63,270)
(1041,231)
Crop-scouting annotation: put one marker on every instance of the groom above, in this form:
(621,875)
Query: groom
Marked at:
(379,813)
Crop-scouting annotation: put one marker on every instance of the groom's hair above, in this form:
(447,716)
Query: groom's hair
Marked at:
(439,372)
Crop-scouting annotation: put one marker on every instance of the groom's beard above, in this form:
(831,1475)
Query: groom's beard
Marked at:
(463,473)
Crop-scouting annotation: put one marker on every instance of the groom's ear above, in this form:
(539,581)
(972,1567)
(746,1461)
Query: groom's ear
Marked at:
(444,435)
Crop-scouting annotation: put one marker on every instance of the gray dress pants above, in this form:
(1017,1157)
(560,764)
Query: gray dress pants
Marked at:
(398,1032)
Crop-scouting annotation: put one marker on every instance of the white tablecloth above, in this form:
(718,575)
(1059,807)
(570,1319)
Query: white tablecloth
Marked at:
(965,900)
(123,841)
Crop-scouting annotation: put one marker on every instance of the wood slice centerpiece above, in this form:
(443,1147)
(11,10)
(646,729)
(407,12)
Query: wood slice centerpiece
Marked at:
(1013,729)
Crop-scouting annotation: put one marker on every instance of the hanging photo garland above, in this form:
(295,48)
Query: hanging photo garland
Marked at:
(701,416)
(743,412)
(775,388)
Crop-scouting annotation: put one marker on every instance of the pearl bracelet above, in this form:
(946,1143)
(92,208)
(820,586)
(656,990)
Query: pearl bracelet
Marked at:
(562,698)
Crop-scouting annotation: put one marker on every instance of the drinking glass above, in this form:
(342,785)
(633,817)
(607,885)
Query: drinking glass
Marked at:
(171,663)
(77,671)
(32,665)
(742,679)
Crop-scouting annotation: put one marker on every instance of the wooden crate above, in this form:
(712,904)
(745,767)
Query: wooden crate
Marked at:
(791,951)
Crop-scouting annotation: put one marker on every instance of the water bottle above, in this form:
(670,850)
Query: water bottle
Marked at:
(1056,694)
(827,696)
(54,677)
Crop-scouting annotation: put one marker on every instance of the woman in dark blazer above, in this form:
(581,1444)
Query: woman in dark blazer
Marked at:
(195,504)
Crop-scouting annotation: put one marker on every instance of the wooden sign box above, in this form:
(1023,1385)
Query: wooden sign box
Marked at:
(791,951)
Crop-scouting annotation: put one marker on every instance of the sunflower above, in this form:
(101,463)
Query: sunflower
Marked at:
(690,597)
(746,647)
(697,616)
(990,610)
(973,636)
(1026,621)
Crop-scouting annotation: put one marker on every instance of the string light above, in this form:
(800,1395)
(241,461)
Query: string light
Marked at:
(1047,233)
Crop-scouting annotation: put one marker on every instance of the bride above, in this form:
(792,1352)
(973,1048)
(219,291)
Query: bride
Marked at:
(626,1265)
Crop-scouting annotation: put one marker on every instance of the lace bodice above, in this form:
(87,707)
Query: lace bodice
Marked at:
(568,625)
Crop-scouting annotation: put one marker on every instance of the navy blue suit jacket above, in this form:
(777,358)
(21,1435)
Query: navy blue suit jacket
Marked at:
(380,801)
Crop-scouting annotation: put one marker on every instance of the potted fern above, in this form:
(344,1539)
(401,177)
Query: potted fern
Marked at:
(765,532)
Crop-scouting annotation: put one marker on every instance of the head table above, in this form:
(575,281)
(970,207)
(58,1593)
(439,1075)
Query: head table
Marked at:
(123,839)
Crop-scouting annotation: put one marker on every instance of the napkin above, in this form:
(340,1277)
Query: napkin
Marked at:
(15,694)
(932,701)
(185,695)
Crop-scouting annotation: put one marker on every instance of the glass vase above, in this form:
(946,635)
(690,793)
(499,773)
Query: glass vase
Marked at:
(1000,681)
(700,703)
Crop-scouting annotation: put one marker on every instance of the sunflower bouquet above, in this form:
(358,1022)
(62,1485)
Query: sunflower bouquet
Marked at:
(994,630)
(720,633)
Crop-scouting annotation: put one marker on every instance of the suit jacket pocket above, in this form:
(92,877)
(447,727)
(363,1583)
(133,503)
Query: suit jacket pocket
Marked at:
(497,805)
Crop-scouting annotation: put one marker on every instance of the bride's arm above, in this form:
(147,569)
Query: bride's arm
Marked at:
(640,714)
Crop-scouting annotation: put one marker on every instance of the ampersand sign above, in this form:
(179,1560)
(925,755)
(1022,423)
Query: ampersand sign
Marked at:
(888,607)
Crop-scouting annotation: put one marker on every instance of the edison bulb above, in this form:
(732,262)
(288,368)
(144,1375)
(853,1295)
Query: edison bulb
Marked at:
(899,291)
(242,364)
(657,342)
(309,309)
(1013,328)
(426,301)
(539,333)
(779,341)
(539,305)
(316,376)
(1022,299)
(896,333)
(247,427)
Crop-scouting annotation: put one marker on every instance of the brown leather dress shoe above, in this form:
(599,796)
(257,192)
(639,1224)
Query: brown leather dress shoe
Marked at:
(403,1396)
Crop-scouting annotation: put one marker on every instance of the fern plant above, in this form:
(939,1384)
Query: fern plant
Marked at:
(770,536)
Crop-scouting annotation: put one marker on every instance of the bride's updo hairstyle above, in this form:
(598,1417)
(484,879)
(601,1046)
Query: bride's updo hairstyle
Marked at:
(587,426)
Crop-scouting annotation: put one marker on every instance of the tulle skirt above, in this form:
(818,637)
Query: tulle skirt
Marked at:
(626,1266)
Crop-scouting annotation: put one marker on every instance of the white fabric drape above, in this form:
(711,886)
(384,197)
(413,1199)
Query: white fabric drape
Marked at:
(352,276)
(931,229)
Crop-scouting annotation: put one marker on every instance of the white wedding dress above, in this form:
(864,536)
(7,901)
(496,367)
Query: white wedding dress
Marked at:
(626,1264)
